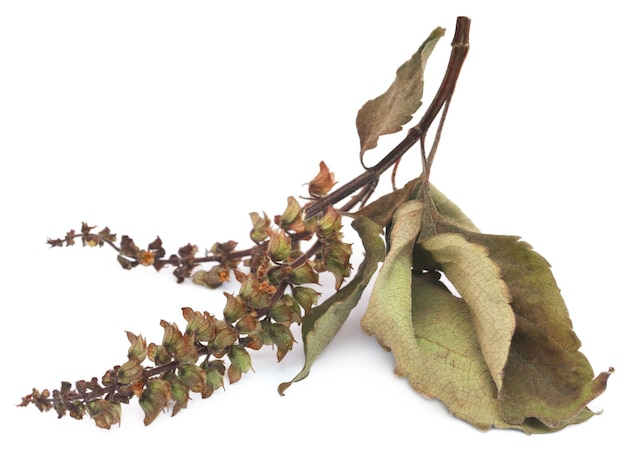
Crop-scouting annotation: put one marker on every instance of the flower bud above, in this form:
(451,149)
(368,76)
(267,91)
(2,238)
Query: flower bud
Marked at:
(213,278)
(323,182)
(259,227)
(234,308)
(306,297)
(291,219)
(279,246)
(225,336)
(200,325)
(130,372)
(138,348)
(282,338)
(193,377)
(304,274)
(329,223)
(240,358)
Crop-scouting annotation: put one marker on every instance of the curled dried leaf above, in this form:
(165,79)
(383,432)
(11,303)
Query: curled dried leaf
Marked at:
(387,113)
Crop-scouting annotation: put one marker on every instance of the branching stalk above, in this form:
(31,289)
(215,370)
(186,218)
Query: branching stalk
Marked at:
(460,48)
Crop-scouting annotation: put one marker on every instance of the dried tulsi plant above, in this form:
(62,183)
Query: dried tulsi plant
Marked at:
(502,354)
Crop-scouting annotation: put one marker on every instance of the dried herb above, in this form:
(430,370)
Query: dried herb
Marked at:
(498,350)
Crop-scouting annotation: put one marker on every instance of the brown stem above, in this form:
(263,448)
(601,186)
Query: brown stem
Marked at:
(147,374)
(366,182)
(460,48)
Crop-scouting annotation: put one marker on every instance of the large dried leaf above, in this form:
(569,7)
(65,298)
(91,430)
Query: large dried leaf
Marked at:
(323,322)
(478,279)
(546,375)
(450,365)
(388,315)
(387,113)
(504,355)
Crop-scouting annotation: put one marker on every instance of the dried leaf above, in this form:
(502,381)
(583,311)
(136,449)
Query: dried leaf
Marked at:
(545,379)
(449,210)
(387,113)
(451,366)
(546,376)
(381,210)
(388,315)
(429,331)
(477,278)
(321,324)
(505,354)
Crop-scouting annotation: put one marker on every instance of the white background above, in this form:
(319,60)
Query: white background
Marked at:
(180,118)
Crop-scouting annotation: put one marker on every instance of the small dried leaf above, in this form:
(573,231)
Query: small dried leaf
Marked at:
(389,112)
(128,247)
(291,218)
(234,374)
(286,310)
(156,247)
(157,354)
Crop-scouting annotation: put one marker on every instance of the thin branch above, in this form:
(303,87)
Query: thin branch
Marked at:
(460,48)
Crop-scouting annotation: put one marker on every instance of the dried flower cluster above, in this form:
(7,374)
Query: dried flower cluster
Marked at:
(273,295)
